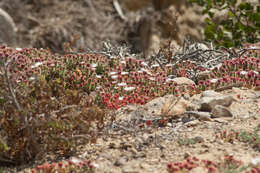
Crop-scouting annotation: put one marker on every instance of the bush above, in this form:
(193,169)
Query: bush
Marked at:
(241,26)
(39,112)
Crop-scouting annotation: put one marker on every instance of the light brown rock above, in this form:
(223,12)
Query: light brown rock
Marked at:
(192,123)
(183,81)
(192,107)
(210,93)
(198,170)
(208,103)
(220,111)
(154,106)
(120,162)
(203,116)
(174,107)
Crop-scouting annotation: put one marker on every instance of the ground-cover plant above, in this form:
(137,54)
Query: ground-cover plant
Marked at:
(118,82)
(242,24)
(43,93)
(252,138)
(227,164)
(73,165)
(39,115)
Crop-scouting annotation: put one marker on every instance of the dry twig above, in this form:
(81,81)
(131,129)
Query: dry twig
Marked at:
(10,86)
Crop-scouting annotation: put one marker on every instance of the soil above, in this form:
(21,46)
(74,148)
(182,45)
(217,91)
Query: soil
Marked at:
(130,149)
(49,23)
(151,149)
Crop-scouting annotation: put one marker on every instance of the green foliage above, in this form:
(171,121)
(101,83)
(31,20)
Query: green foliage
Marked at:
(241,26)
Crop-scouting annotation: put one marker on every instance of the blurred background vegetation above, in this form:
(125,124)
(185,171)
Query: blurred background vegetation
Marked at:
(143,25)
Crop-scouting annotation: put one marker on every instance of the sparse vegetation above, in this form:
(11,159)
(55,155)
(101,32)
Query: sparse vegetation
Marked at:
(50,104)
(58,102)
(65,167)
(189,141)
(251,138)
(228,165)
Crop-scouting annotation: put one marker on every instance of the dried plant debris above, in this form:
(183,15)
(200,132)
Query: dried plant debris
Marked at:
(203,56)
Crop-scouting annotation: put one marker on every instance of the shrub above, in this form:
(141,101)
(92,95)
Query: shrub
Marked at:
(241,26)
(39,112)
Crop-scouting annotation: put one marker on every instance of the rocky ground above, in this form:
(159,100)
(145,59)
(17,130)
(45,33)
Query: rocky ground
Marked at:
(131,149)
(168,129)
(209,126)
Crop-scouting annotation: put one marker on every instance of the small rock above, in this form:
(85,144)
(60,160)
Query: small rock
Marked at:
(185,119)
(131,167)
(186,155)
(220,111)
(236,90)
(130,108)
(208,103)
(203,116)
(144,166)
(128,169)
(198,170)
(75,160)
(223,120)
(174,107)
(169,124)
(139,114)
(192,123)
(183,81)
(119,162)
(210,93)
(112,145)
(186,96)
(192,107)
(155,105)
(125,146)
(133,151)
(198,139)
(7,28)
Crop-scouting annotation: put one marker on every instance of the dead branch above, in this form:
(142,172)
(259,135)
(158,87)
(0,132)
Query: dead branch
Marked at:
(10,86)
(3,160)
(119,9)
(240,84)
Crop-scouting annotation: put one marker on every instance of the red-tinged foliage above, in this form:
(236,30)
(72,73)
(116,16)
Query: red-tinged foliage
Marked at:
(52,102)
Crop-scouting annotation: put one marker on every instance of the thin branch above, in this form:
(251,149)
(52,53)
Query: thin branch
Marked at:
(218,57)
(3,160)
(119,10)
(72,138)
(245,50)
(240,84)
(159,63)
(234,13)
(64,108)
(10,86)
